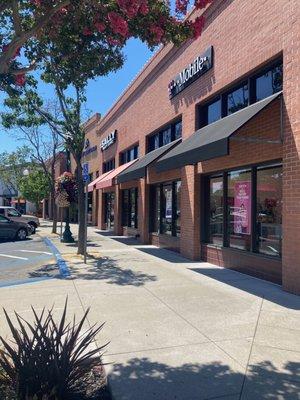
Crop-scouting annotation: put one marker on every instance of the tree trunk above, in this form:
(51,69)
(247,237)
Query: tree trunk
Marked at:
(54,211)
(81,210)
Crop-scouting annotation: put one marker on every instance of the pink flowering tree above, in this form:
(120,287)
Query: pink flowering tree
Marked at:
(70,42)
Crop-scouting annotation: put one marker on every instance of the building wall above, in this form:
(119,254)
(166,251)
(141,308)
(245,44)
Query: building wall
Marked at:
(245,35)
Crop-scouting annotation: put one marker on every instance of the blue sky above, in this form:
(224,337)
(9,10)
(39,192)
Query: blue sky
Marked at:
(101,93)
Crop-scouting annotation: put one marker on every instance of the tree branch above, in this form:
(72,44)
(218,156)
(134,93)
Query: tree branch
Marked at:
(16,18)
(22,38)
(24,70)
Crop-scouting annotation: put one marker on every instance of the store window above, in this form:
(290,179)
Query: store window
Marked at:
(130,207)
(166,210)
(239,209)
(237,99)
(269,210)
(211,112)
(269,82)
(216,210)
(255,88)
(245,209)
(108,165)
(178,130)
(109,210)
(167,135)
(129,155)
(177,207)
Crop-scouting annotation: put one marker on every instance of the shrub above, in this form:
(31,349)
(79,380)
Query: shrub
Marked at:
(49,360)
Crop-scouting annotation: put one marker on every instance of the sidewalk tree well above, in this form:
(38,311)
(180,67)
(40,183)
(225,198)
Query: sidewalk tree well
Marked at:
(35,186)
(83,39)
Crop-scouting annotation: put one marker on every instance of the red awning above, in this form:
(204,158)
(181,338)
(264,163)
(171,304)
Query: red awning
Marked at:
(92,185)
(108,180)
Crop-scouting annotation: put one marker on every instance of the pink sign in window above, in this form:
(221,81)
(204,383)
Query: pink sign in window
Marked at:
(242,207)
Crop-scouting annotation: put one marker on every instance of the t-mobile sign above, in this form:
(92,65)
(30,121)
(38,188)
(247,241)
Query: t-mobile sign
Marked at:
(193,71)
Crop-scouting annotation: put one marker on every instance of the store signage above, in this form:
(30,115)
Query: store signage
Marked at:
(109,140)
(88,150)
(192,72)
(242,207)
(85,172)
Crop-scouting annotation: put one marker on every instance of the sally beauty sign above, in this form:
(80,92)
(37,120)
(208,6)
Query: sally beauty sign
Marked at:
(192,72)
(109,140)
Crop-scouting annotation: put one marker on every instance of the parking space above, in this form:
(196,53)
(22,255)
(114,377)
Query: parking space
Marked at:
(26,261)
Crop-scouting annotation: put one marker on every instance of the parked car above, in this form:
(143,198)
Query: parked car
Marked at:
(14,215)
(10,229)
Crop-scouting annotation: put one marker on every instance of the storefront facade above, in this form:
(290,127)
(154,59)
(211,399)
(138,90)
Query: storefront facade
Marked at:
(201,153)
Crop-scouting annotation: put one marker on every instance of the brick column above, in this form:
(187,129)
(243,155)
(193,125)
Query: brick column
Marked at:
(143,211)
(190,214)
(291,151)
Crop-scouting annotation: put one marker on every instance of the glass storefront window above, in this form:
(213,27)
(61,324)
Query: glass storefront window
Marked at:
(156,226)
(237,99)
(269,83)
(167,210)
(253,207)
(130,207)
(109,209)
(269,210)
(239,203)
(177,207)
(216,211)
(214,111)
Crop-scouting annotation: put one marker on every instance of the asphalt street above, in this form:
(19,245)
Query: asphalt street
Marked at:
(25,261)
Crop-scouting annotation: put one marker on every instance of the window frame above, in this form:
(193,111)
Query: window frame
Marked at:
(226,232)
(109,165)
(160,133)
(126,216)
(125,157)
(153,214)
(250,81)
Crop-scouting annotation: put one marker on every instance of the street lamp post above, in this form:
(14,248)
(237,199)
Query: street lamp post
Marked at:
(67,235)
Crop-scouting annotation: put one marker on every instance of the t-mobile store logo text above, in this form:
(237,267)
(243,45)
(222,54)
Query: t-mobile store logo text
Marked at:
(192,72)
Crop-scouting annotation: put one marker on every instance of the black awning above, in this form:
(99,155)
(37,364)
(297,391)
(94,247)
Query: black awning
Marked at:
(138,169)
(211,141)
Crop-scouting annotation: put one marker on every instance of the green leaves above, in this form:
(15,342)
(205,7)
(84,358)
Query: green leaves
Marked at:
(35,187)
(49,359)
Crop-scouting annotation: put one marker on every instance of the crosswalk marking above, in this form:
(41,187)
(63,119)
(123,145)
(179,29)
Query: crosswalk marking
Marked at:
(9,256)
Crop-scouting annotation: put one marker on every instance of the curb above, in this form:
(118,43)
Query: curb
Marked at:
(62,265)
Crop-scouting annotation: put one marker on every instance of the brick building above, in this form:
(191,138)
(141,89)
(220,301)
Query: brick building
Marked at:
(201,152)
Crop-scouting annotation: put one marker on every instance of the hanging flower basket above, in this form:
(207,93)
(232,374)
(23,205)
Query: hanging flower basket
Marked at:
(66,190)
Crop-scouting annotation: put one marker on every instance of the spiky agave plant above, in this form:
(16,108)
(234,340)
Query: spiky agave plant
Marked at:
(49,360)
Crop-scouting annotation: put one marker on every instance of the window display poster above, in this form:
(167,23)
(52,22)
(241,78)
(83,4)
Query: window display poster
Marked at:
(169,204)
(242,207)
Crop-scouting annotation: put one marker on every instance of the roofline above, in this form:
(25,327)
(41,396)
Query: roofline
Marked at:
(168,48)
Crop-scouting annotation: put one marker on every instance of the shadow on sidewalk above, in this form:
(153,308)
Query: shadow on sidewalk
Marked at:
(107,269)
(154,380)
(255,286)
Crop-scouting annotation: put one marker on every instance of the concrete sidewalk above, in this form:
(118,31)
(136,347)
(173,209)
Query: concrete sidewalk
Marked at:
(177,329)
